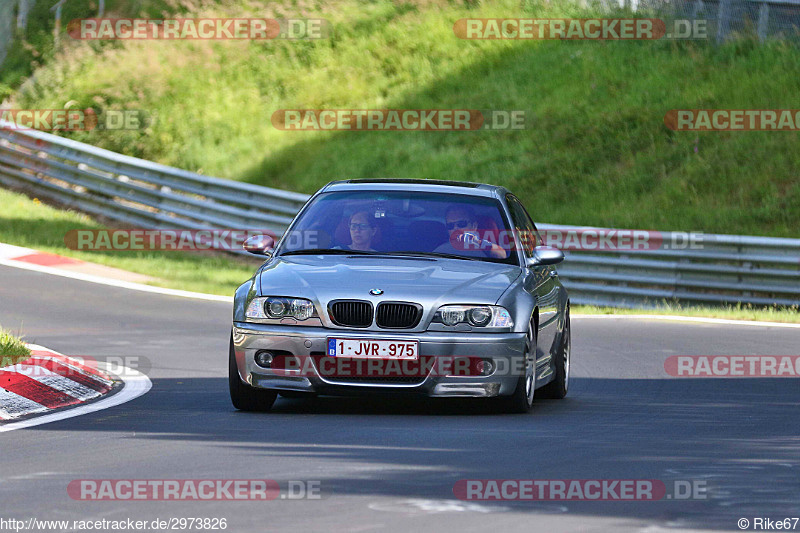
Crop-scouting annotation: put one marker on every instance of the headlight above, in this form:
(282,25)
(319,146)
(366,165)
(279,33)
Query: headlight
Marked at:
(482,316)
(278,307)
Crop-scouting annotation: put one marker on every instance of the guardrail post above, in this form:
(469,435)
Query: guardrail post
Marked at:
(57,28)
(723,20)
(698,7)
(763,21)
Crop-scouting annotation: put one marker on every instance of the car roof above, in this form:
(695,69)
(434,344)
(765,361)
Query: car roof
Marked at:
(422,185)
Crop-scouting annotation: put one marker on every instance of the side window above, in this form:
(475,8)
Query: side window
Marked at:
(523,225)
(538,241)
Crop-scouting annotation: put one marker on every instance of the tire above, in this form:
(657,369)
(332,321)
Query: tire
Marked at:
(243,396)
(557,389)
(521,401)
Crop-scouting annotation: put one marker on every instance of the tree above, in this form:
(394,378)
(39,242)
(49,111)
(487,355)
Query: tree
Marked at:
(23,8)
(8,8)
(6,27)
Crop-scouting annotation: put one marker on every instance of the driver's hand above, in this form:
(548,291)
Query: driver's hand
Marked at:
(470,239)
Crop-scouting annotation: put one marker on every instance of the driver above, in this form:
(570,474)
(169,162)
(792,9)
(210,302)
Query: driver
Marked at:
(462,227)
(362,231)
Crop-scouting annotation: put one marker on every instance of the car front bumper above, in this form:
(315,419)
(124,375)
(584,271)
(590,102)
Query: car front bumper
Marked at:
(504,349)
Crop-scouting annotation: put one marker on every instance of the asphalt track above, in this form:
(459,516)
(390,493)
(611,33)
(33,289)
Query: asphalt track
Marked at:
(389,464)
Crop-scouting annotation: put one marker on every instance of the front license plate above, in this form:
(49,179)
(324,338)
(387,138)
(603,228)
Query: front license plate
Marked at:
(379,349)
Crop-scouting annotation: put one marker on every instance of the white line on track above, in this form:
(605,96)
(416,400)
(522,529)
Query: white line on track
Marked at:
(135,384)
(114,282)
(698,319)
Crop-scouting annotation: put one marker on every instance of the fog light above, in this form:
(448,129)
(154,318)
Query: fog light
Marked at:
(264,359)
(485,367)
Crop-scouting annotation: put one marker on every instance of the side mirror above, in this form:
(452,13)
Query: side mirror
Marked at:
(545,255)
(259,245)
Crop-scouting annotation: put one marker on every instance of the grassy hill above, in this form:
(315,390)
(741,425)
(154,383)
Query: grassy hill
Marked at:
(594,151)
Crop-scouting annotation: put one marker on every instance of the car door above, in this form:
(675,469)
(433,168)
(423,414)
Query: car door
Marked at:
(541,280)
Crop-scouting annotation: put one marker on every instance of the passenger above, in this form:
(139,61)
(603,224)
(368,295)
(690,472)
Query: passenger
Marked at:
(462,227)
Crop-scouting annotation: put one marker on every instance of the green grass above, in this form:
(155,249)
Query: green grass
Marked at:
(595,150)
(737,312)
(12,349)
(30,223)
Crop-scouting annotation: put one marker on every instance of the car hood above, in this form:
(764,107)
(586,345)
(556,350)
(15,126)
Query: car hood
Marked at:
(428,282)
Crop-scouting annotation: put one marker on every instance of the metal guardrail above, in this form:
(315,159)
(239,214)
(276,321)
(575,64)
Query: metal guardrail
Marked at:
(722,269)
(715,269)
(135,191)
(766,18)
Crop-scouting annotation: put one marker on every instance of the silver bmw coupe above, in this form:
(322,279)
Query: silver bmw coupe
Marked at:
(425,287)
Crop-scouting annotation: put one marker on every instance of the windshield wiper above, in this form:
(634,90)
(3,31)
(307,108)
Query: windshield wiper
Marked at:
(329,251)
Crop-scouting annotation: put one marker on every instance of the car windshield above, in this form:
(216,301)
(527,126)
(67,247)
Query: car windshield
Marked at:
(403,223)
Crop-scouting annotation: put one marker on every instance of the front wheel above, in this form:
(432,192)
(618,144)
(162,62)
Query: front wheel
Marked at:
(557,389)
(243,396)
(522,400)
